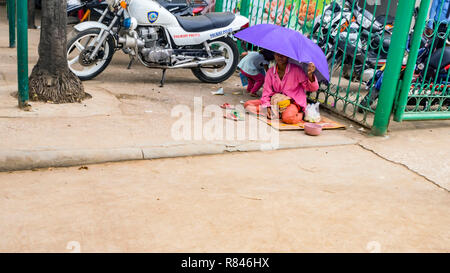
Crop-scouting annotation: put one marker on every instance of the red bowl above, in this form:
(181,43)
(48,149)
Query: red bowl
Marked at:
(313,129)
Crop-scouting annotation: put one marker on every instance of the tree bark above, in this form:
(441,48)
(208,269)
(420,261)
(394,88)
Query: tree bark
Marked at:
(51,79)
(31,14)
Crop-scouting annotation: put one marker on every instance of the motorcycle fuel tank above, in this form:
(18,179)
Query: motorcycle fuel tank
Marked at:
(150,13)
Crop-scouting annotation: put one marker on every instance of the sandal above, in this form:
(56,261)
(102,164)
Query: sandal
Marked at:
(233,116)
(227,106)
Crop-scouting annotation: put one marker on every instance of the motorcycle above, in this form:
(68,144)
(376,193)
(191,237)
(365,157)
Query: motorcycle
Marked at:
(146,31)
(95,10)
(368,40)
(86,10)
(428,69)
(184,7)
(326,27)
(363,55)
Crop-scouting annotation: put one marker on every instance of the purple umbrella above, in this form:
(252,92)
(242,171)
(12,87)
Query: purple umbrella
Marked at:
(289,43)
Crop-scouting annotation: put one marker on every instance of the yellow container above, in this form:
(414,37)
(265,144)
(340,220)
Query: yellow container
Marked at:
(283,104)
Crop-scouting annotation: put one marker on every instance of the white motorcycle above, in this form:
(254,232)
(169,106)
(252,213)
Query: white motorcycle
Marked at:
(146,31)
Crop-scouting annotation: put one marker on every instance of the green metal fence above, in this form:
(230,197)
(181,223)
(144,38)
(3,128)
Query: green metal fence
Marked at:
(357,38)
(424,92)
(380,62)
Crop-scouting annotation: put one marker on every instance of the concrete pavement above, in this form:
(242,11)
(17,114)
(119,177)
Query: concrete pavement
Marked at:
(341,191)
(330,199)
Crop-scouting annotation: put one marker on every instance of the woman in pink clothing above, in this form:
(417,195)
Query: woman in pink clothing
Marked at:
(290,80)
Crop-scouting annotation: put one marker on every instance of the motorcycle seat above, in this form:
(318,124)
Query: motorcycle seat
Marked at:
(435,59)
(205,22)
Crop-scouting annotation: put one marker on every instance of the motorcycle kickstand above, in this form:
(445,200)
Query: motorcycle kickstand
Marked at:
(130,63)
(163,78)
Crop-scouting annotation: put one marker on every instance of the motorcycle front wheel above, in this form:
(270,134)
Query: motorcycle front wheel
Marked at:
(229,50)
(78,49)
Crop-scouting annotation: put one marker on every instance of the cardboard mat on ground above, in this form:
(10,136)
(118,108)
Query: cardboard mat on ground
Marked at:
(327,124)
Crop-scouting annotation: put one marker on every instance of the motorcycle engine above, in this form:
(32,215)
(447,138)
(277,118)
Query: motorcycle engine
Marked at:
(154,49)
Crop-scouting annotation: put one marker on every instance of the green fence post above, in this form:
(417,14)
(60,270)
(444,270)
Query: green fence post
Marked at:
(405,10)
(245,8)
(22,51)
(218,6)
(244,11)
(11,6)
(412,59)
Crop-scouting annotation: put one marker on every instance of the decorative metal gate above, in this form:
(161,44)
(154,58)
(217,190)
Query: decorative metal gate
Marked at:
(380,61)
(372,50)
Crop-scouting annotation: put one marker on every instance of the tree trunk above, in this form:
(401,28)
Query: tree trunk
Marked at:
(51,80)
(31,13)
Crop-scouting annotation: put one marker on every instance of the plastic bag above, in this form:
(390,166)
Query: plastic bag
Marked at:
(312,113)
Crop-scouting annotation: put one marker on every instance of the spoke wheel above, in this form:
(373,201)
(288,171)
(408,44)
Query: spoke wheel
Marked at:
(217,74)
(80,47)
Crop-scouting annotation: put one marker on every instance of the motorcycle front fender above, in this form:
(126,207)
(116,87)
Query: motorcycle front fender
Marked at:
(88,25)
(92,25)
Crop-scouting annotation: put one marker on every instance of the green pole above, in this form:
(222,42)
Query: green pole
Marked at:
(11,6)
(412,58)
(245,8)
(22,51)
(394,61)
(244,11)
(218,6)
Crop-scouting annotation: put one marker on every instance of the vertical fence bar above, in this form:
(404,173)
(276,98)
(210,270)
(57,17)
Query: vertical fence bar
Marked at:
(305,20)
(412,59)
(219,6)
(314,19)
(245,7)
(251,6)
(244,11)
(22,51)
(262,13)
(282,15)
(11,6)
(276,13)
(358,40)
(391,77)
(380,50)
(369,41)
(257,12)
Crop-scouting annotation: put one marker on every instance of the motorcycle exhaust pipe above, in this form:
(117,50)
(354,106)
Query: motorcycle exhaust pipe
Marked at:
(213,61)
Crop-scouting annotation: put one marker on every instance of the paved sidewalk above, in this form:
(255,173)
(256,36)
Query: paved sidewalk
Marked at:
(333,199)
(128,118)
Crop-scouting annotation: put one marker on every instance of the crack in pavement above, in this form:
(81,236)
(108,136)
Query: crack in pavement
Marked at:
(404,166)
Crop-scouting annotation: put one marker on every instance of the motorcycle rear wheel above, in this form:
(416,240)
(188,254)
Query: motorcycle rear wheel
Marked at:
(230,52)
